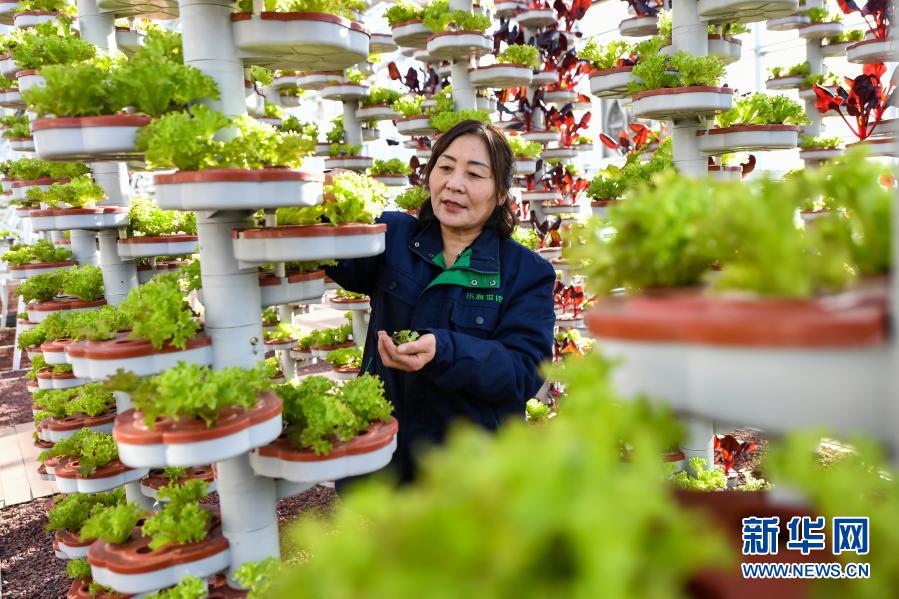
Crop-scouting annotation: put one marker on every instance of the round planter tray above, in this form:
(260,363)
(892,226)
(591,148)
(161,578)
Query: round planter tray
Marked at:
(278,344)
(28,79)
(728,49)
(37,312)
(191,442)
(415,126)
(726,173)
(501,76)
(540,196)
(424,154)
(70,545)
(542,78)
(785,364)
(508,9)
(307,242)
(745,11)
(665,104)
(8,66)
(127,40)
(787,23)
(55,351)
(553,209)
(458,45)
(145,272)
(878,146)
(525,166)
(779,83)
(11,98)
(81,589)
(133,568)
(353,163)
(344,92)
(368,452)
(872,51)
(549,254)
(157,10)
(611,83)
(90,219)
(816,31)
(288,81)
(377,112)
(569,321)
(109,477)
(20,188)
(30,18)
(560,97)
(21,144)
(349,304)
(57,429)
(380,43)
(298,354)
(834,50)
(392,180)
(423,56)
(88,139)
(98,360)
(316,80)
(601,207)
(299,41)
(155,480)
(297,287)
(411,34)
(639,26)
(6,11)
(346,373)
(748,138)
(820,155)
(559,153)
(237,189)
(29,270)
(322,351)
(543,136)
(536,18)
(160,245)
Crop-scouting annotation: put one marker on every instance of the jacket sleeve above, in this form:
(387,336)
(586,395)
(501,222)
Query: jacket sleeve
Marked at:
(503,369)
(360,275)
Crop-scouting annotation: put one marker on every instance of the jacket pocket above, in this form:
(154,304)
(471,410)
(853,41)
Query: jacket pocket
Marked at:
(479,321)
(400,286)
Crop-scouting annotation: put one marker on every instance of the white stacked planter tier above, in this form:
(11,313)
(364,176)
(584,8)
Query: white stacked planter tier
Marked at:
(94,138)
(611,83)
(37,312)
(159,10)
(161,245)
(20,188)
(364,453)
(376,112)
(745,11)
(873,51)
(128,40)
(682,102)
(294,287)
(411,34)
(833,50)
(641,26)
(725,173)
(560,96)
(8,66)
(31,18)
(91,219)
(600,208)
(300,41)
(878,146)
(6,11)
(28,79)
(535,18)
(307,242)
(789,82)
(525,166)
(816,31)
(29,270)
(192,442)
(748,138)
(559,153)
(353,163)
(11,98)
(106,478)
(787,23)
(237,189)
(98,360)
(415,126)
(725,49)
(392,180)
(543,136)
(317,80)
(457,45)
(21,144)
(501,76)
(542,78)
(380,43)
(344,92)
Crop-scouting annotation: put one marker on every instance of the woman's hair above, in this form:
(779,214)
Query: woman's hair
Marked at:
(502,163)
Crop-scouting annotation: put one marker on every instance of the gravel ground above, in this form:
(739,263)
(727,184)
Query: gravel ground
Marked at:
(15,401)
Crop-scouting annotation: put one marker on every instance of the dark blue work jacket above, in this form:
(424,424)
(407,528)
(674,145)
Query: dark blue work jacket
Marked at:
(491,313)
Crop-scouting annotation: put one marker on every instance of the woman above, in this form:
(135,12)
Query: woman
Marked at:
(482,302)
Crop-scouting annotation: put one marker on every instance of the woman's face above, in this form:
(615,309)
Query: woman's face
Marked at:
(463,192)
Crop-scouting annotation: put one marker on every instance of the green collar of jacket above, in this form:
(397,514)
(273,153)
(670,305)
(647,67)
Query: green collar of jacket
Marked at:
(460,274)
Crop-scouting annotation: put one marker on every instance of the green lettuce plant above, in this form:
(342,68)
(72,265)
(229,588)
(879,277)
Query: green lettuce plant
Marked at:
(347,357)
(444,121)
(114,524)
(40,251)
(409,105)
(763,109)
(92,450)
(57,6)
(272,111)
(394,166)
(335,150)
(342,8)
(529,56)
(259,577)
(29,169)
(612,182)
(354,76)
(523,148)
(808,142)
(145,218)
(78,568)
(43,287)
(526,237)
(703,478)
(189,587)
(402,11)
(54,42)
(191,391)
(181,520)
(438,18)
(822,15)
(158,313)
(412,198)
(798,70)
(80,192)
(336,134)
(537,411)
(83,282)
(19,127)
(656,71)
(853,35)
(381,95)
(73,510)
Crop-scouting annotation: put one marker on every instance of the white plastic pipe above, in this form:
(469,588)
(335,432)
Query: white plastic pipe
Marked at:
(96,27)
(119,277)
(84,247)
(816,66)
(352,129)
(699,442)
(688,34)
(113,178)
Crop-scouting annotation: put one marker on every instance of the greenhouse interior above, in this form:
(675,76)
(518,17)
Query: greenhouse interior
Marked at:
(397,321)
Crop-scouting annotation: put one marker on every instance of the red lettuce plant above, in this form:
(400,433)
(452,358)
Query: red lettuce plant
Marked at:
(548,231)
(865,100)
(875,12)
(569,298)
(567,124)
(423,81)
(627,144)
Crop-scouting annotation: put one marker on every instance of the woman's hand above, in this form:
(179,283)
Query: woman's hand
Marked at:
(408,357)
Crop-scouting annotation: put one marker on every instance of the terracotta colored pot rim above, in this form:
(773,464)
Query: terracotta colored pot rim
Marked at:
(78,422)
(157,239)
(864,42)
(684,90)
(156,479)
(313,73)
(123,347)
(499,65)
(412,118)
(742,128)
(307,231)
(40,181)
(68,469)
(268,279)
(333,158)
(349,300)
(79,211)
(867,142)
(378,435)
(222,175)
(776,323)
(785,77)
(347,369)
(599,203)
(333,347)
(161,266)
(65,304)
(26,72)
(80,122)
(612,71)
(130,428)
(70,538)
(40,13)
(56,345)
(44,265)
(410,22)
(389,175)
(727,169)
(300,16)
(373,106)
(639,17)
(20,138)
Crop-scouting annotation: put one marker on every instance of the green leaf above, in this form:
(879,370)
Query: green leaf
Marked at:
(394,166)
(113,524)
(83,282)
(412,198)
(158,313)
